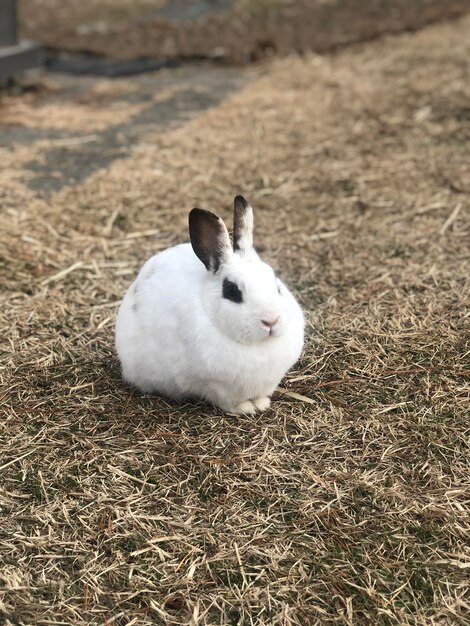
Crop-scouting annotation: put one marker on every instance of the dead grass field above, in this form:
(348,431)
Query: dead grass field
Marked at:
(347,502)
(232,30)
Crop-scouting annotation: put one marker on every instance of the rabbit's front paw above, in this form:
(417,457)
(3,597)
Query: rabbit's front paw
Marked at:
(262,403)
(244,408)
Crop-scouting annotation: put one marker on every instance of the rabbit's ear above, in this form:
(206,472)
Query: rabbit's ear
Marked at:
(242,225)
(209,238)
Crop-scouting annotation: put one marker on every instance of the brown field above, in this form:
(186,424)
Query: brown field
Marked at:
(230,30)
(348,501)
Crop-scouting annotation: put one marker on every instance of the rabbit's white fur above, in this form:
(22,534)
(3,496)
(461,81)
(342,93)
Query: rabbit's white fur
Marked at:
(177,335)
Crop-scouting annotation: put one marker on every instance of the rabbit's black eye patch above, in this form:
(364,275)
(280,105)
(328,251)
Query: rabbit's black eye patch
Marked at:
(230,291)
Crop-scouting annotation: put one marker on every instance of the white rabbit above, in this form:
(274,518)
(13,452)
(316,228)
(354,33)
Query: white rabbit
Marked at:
(209,320)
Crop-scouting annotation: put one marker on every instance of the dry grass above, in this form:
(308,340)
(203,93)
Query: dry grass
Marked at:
(348,502)
(246,30)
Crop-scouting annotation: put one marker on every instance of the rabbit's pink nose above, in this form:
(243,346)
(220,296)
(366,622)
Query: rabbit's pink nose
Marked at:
(270,323)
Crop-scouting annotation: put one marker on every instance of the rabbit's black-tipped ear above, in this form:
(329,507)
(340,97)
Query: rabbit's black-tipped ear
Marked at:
(242,225)
(209,238)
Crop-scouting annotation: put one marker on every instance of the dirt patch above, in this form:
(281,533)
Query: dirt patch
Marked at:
(250,30)
(347,502)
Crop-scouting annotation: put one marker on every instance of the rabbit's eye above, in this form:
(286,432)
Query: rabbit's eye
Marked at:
(230,291)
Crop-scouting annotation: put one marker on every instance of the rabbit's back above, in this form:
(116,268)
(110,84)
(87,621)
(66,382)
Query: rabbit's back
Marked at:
(156,319)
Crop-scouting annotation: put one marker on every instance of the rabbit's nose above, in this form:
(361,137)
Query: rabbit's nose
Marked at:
(270,323)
